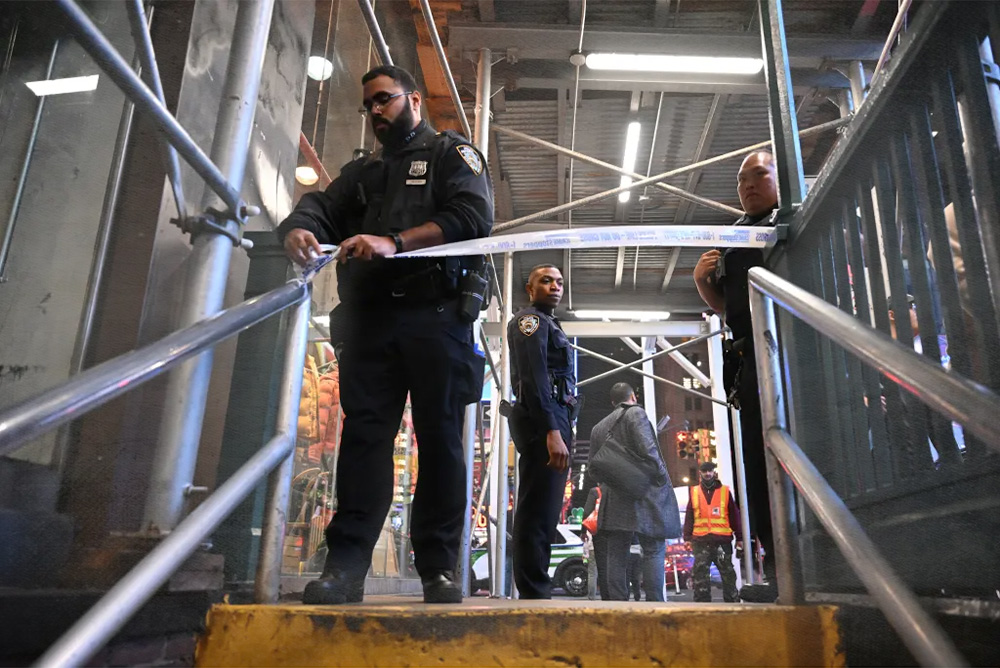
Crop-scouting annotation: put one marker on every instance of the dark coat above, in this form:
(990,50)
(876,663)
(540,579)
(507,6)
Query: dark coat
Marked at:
(656,514)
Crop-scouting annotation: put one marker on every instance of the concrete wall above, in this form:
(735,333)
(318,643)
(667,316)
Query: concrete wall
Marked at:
(52,243)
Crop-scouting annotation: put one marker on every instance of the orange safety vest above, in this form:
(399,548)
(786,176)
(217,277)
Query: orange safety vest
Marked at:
(711,518)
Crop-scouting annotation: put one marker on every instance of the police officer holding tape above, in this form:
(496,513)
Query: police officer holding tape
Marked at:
(541,425)
(406,328)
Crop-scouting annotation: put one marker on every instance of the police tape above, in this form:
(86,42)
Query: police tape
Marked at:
(687,236)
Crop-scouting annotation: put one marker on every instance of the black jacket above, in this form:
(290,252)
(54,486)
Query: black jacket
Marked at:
(435,177)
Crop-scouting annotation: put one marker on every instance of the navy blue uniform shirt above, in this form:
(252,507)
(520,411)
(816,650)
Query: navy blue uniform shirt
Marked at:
(541,369)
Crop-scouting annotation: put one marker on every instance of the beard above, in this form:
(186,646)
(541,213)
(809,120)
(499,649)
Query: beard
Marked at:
(392,134)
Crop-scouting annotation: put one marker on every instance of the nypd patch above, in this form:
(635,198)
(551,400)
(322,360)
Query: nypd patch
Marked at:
(528,324)
(471,157)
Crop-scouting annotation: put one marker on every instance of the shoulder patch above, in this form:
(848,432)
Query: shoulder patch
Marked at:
(528,324)
(471,157)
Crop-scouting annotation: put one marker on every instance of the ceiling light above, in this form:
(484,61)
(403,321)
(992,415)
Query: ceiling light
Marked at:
(306,175)
(628,161)
(319,68)
(660,63)
(60,86)
(605,314)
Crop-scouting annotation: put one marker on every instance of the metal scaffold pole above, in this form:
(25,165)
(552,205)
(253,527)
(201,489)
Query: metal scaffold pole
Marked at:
(482,140)
(781,106)
(500,439)
(208,269)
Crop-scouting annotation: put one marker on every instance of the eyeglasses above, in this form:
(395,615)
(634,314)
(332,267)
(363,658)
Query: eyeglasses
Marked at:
(379,102)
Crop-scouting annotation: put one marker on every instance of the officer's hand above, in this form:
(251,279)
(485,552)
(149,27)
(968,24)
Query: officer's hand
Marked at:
(298,242)
(365,247)
(704,271)
(558,452)
(739,550)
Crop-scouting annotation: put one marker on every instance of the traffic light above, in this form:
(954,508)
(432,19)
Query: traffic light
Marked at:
(683,442)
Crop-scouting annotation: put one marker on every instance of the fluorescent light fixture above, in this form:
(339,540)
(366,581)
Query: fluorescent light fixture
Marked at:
(628,161)
(306,175)
(637,62)
(319,68)
(60,86)
(606,314)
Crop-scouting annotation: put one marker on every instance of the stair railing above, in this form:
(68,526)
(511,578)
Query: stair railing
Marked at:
(961,400)
(98,385)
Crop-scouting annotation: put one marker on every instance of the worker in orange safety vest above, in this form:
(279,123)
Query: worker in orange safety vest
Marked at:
(710,523)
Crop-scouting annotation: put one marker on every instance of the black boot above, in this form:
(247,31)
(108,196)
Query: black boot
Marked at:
(335,588)
(440,587)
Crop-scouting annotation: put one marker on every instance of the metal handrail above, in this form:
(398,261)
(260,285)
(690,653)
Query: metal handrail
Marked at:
(98,385)
(972,405)
(949,393)
(99,625)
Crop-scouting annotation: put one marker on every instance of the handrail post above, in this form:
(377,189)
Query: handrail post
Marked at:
(207,272)
(267,587)
(781,492)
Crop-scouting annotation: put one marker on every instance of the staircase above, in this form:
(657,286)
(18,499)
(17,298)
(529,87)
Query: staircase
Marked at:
(392,631)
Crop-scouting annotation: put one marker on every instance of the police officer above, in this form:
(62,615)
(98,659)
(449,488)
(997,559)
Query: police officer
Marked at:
(403,331)
(544,388)
(722,281)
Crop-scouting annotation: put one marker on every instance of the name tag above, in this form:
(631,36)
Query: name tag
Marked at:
(416,182)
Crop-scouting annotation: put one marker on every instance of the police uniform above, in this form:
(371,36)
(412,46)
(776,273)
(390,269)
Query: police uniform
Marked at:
(740,380)
(544,387)
(402,333)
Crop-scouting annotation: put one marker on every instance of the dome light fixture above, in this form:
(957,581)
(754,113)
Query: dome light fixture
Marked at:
(306,175)
(319,68)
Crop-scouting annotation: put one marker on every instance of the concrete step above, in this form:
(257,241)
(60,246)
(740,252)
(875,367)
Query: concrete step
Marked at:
(401,631)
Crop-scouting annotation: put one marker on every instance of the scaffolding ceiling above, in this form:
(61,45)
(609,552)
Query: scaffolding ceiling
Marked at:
(700,116)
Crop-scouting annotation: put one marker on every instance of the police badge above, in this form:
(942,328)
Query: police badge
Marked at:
(418,168)
(528,324)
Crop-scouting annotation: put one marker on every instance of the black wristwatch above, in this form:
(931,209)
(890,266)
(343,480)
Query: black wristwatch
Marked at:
(398,241)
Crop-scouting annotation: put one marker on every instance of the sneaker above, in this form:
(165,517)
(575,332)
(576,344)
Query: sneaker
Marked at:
(335,589)
(440,587)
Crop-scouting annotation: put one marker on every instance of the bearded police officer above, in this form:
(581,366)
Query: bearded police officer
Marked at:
(722,281)
(544,387)
(404,330)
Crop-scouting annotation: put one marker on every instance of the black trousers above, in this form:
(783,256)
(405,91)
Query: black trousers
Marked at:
(755,464)
(426,352)
(539,502)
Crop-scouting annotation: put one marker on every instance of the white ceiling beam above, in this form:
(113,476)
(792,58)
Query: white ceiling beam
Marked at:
(613,330)
(557,42)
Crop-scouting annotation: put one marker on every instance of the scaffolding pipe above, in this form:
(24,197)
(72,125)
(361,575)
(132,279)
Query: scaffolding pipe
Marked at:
(376,32)
(267,584)
(897,27)
(498,587)
(22,178)
(472,410)
(615,362)
(781,107)
(107,57)
(739,153)
(666,351)
(207,271)
(582,157)
(147,56)
(425,7)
